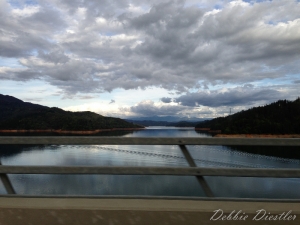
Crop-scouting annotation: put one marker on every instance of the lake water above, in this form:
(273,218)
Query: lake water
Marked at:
(120,155)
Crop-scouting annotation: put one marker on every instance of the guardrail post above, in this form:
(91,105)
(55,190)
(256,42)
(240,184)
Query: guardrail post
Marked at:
(200,179)
(6,182)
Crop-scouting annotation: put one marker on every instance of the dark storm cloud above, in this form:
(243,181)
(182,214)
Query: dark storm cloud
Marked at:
(57,56)
(246,95)
(166,100)
(148,108)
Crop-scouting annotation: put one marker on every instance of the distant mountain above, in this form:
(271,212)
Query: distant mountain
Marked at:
(16,114)
(164,123)
(183,124)
(281,117)
(166,119)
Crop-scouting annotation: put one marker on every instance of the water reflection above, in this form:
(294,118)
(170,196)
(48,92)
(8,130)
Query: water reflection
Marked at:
(11,150)
(95,155)
(106,185)
(288,152)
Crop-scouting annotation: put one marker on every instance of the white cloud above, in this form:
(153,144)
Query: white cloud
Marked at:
(26,11)
(96,46)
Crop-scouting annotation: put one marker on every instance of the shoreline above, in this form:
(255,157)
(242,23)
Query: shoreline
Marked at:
(258,135)
(208,130)
(70,131)
(218,133)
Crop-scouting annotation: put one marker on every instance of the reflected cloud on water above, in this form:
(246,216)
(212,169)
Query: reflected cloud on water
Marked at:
(166,156)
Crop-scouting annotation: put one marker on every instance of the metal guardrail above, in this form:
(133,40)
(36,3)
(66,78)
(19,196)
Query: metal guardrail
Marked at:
(193,170)
(94,140)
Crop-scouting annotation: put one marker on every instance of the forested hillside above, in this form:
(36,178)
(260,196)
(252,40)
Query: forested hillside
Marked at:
(281,117)
(16,114)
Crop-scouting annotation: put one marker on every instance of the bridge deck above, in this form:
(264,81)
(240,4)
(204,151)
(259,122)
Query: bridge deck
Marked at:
(83,211)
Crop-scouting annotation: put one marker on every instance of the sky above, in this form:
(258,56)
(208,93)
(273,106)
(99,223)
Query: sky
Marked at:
(137,58)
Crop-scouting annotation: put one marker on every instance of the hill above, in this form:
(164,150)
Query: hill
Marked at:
(18,115)
(281,117)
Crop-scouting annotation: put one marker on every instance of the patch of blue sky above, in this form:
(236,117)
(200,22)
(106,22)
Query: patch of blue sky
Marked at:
(217,6)
(51,40)
(109,34)
(256,1)
(271,22)
(221,86)
(292,77)
(21,3)
(35,91)
(145,7)
(212,86)
(34,52)
(286,80)
(275,22)
(10,62)
(192,90)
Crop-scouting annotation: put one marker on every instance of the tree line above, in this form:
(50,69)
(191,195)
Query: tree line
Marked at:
(281,117)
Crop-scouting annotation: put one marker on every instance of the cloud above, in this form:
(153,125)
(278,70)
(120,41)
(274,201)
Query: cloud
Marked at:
(86,97)
(33,99)
(112,101)
(148,108)
(56,56)
(246,95)
(99,46)
(166,100)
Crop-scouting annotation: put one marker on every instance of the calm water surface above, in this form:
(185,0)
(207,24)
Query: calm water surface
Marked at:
(120,155)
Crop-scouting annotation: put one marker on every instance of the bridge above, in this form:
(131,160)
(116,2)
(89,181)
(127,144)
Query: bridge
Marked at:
(53,209)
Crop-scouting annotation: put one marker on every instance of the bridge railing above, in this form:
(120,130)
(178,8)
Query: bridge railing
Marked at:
(193,170)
